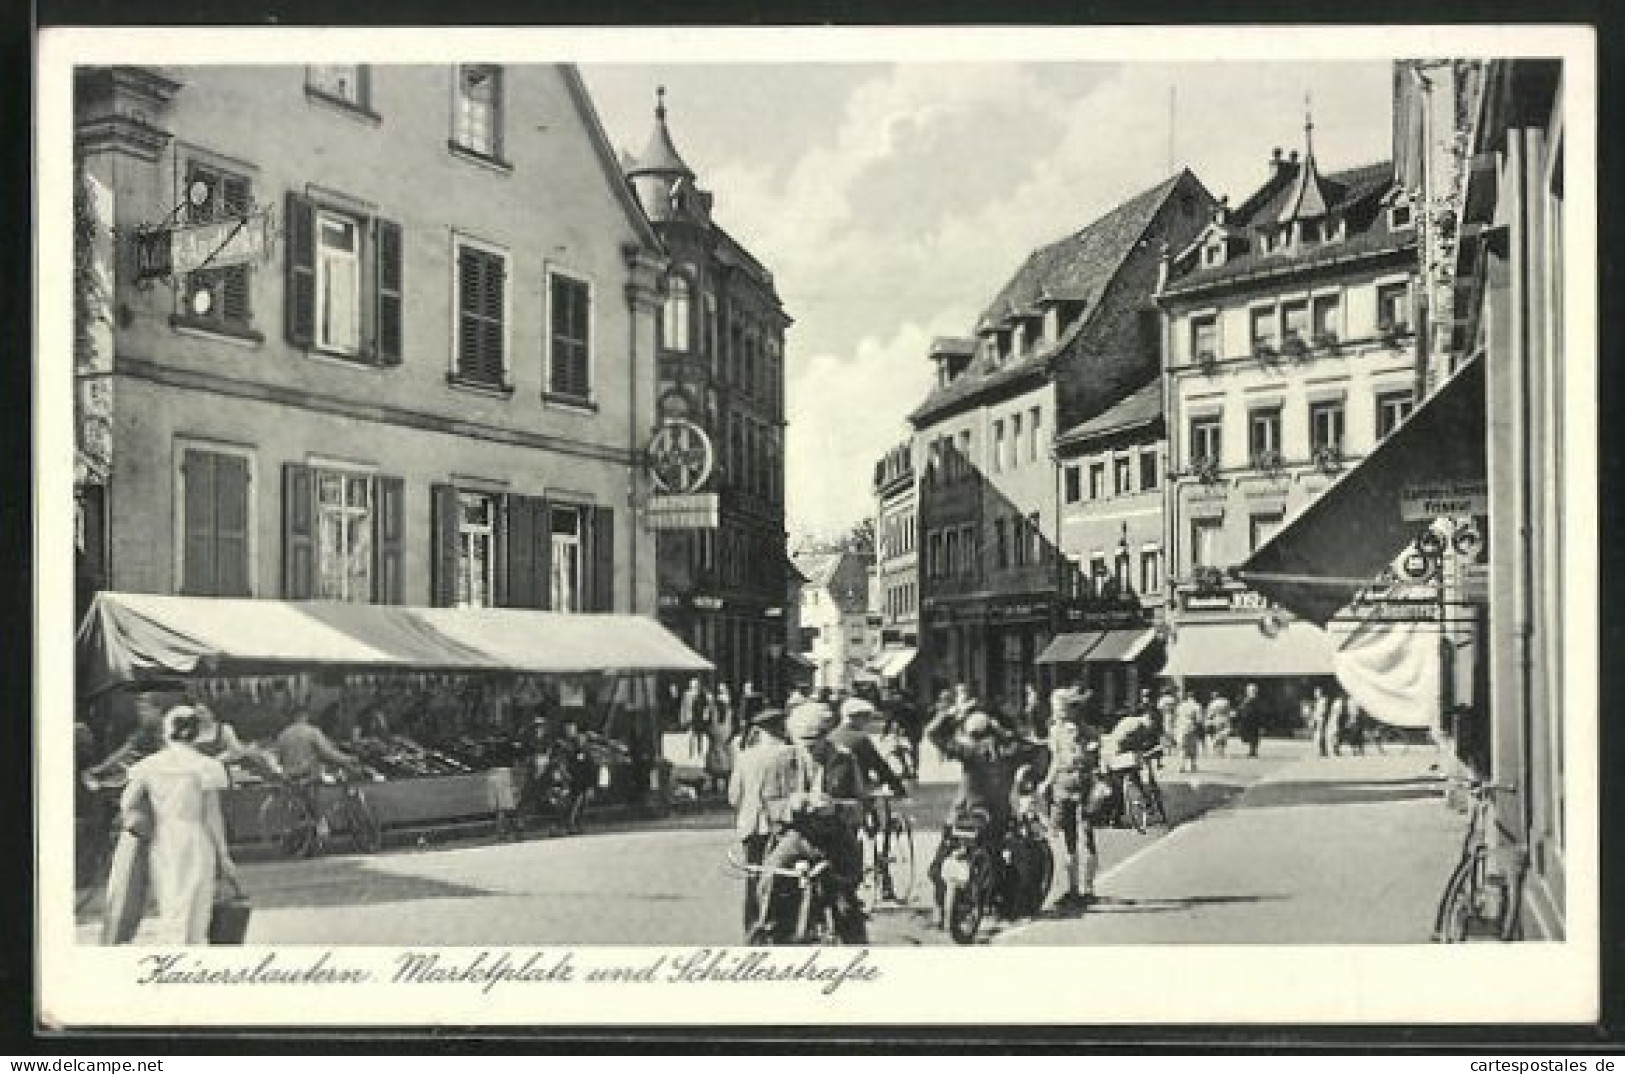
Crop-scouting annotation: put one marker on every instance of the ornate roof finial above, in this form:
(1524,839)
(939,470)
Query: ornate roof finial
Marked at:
(1308,127)
(660,103)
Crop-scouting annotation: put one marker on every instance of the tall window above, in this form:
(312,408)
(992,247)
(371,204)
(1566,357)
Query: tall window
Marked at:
(1205,542)
(964,453)
(1074,484)
(712,339)
(481,313)
(214,501)
(996,462)
(569,372)
(218,297)
(1015,441)
(565,588)
(951,547)
(1035,420)
(1262,527)
(1264,434)
(338,283)
(476,550)
(1326,426)
(1097,481)
(1001,543)
(1205,440)
(1098,573)
(1150,570)
(1327,323)
(1035,538)
(1295,320)
(479,108)
(1148,471)
(344,527)
(1392,408)
(1122,475)
(1204,338)
(343,82)
(674,325)
(1393,307)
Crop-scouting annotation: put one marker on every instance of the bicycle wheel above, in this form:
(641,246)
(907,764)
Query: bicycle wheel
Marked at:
(1134,805)
(964,904)
(1459,905)
(1044,879)
(1156,807)
(287,825)
(352,825)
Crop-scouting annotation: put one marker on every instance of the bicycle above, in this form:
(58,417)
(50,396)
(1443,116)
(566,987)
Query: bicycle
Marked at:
(294,821)
(352,817)
(1474,903)
(889,862)
(1140,801)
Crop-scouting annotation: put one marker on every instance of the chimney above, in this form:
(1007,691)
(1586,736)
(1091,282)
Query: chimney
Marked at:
(1221,211)
(1276,163)
(1292,157)
(1164,265)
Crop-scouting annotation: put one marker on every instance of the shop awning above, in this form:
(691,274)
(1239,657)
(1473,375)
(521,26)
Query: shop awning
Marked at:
(1121,646)
(890,663)
(1242,650)
(1069,648)
(136,637)
(1350,534)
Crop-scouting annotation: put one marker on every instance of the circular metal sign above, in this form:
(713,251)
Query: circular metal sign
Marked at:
(680,457)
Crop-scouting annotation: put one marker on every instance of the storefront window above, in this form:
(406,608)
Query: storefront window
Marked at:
(344,533)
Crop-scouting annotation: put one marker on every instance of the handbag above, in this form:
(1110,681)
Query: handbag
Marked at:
(228,919)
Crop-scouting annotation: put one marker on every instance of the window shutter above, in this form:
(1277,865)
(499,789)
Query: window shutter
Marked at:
(387,271)
(298,533)
(603,560)
(301,275)
(231,526)
(469,281)
(197,558)
(444,510)
(491,310)
(389,540)
(522,583)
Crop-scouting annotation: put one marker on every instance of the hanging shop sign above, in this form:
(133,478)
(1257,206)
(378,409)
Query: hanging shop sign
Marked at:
(680,457)
(1424,503)
(693,511)
(175,251)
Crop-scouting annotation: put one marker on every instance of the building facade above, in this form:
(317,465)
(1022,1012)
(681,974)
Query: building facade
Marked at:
(897,583)
(1111,529)
(721,367)
(1072,334)
(836,637)
(399,396)
(1291,353)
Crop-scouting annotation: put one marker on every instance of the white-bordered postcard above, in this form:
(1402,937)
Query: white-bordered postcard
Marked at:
(838,526)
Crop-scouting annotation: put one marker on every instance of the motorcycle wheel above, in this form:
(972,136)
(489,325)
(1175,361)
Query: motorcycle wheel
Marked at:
(964,904)
(1135,808)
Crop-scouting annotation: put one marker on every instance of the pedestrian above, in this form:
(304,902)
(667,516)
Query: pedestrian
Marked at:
(1337,723)
(1187,729)
(693,713)
(752,826)
(1074,790)
(1032,711)
(1319,719)
(719,732)
(1218,723)
(1163,712)
(1249,718)
(187,847)
(1353,728)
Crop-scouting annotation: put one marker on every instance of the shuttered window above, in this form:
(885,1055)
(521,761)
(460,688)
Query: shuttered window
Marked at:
(214,499)
(218,297)
(569,318)
(344,283)
(481,333)
(344,536)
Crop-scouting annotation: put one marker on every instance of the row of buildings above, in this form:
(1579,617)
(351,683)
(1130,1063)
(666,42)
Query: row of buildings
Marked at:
(1226,444)
(410,335)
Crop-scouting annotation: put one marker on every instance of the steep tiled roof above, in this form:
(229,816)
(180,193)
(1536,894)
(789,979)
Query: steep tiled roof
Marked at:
(1143,407)
(1351,193)
(1078,268)
(843,574)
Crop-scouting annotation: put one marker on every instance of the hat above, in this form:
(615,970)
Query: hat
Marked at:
(856,708)
(976,726)
(180,723)
(810,720)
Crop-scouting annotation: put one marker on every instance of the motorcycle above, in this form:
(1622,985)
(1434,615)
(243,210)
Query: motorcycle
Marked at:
(1007,873)
(805,908)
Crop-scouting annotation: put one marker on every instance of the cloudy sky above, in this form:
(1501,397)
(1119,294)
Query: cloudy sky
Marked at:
(891,201)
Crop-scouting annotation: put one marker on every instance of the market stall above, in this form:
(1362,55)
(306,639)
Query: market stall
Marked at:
(437,704)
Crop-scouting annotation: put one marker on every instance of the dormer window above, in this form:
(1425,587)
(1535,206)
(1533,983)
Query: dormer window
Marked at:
(1399,217)
(1052,324)
(1213,254)
(1309,231)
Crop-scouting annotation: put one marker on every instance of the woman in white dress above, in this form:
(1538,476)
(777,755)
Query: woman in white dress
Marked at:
(188,845)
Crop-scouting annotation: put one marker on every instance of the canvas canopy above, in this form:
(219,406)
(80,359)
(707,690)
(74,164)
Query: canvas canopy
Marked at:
(140,637)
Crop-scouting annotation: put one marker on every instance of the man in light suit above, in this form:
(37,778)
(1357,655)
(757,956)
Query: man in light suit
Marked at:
(813,791)
(752,825)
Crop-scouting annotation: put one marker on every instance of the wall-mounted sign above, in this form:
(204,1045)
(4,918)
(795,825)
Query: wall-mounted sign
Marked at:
(1232,600)
(680,457)
(1446,499)
(175,251)
(694,511)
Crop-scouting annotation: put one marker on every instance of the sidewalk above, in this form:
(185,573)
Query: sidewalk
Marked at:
(1336,850)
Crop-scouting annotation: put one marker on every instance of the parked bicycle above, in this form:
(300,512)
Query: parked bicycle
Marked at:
(294,822)
(1479,904)
(888,850)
